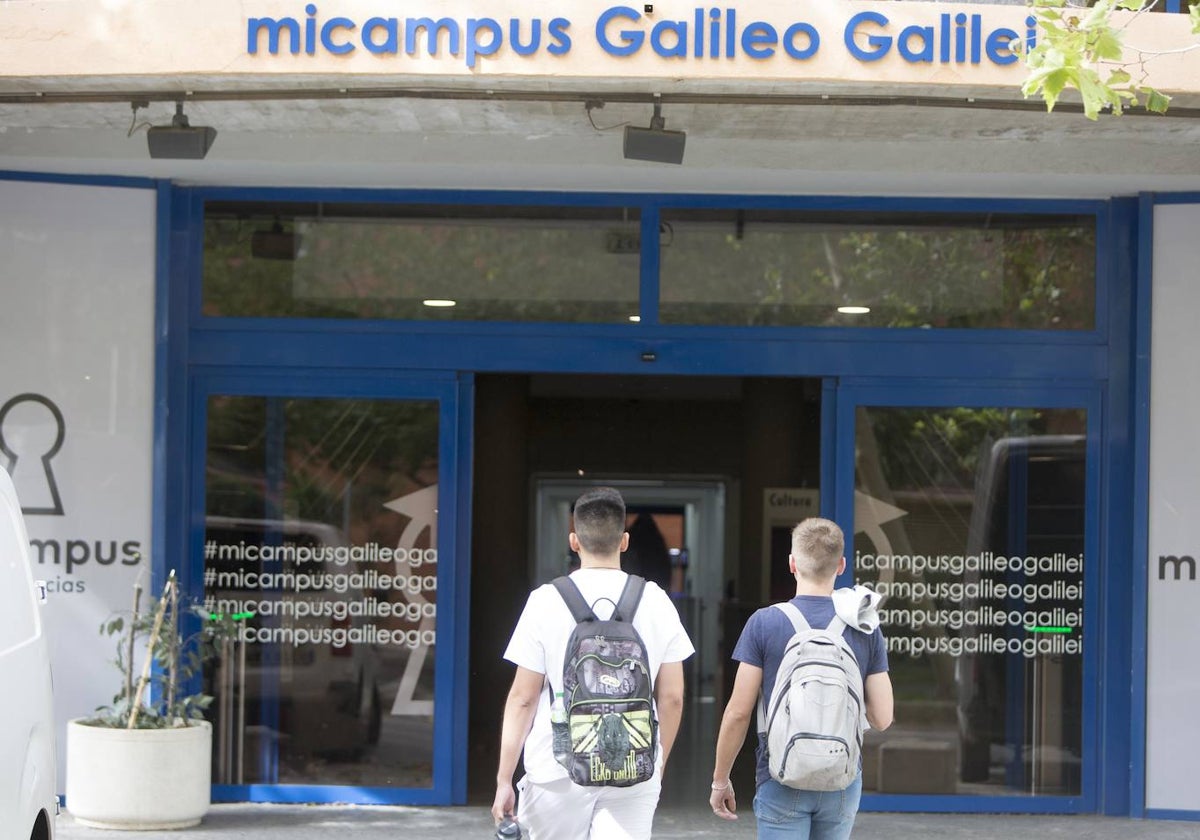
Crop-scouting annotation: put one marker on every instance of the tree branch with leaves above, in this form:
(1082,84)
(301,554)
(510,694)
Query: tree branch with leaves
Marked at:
(1084,49)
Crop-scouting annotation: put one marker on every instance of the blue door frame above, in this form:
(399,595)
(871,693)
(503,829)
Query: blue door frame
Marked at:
(854,393)
(453,395)
(196,352)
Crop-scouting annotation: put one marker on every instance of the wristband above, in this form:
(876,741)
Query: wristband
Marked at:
(721,787)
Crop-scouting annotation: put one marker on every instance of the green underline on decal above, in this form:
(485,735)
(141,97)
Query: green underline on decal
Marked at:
(238,616)
(1048,629)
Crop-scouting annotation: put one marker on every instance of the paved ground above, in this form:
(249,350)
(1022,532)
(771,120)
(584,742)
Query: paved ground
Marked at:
(321,822)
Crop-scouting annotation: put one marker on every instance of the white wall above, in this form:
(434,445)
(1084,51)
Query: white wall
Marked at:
(1173,679)
(77,328)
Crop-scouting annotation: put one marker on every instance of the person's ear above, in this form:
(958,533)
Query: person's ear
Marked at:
(792,564)
(841,567)
(573,541)
(625,542)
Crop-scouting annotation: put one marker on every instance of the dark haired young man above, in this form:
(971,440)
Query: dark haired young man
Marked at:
(816,561)
(551,806)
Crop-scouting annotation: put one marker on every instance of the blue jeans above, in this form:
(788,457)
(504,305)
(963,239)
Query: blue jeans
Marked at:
(806,814)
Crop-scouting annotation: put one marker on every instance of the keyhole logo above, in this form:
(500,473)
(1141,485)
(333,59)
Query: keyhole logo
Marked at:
(39,441)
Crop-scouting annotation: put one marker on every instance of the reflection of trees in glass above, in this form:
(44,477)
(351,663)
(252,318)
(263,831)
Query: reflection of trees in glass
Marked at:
(725,267)
(940,448)
(927,462)
(551,264)
(341,459)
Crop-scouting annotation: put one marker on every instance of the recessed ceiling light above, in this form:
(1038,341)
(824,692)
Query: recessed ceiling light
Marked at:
(854,310)
(637,319)
(439,302)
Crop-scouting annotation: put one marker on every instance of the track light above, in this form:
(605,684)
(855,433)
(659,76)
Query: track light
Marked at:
(180,140)
(654,143)
(275,243)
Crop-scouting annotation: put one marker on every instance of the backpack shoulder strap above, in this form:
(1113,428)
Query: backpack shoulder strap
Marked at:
(799,625)
(799,622)
(836,626)
(631,596)
(570,593)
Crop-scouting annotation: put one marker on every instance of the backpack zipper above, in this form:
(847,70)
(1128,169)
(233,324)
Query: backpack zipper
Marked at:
(800,736)
(779,696)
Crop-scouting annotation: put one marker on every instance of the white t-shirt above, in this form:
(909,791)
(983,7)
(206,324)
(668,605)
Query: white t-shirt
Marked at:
(539,643)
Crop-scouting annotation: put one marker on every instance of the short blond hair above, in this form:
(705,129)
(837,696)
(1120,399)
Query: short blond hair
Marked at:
(817,545)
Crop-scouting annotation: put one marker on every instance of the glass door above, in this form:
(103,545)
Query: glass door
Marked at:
(330,536)
(974,515)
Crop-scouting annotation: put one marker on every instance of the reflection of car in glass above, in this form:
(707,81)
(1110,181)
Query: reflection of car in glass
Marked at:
(28,776)
(318,697)
(1020,715)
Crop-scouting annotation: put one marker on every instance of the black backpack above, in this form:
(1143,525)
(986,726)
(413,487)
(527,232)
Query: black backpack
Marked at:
(607,694)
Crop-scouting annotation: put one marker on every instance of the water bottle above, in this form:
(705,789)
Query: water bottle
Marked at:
(508,829)
(560,730)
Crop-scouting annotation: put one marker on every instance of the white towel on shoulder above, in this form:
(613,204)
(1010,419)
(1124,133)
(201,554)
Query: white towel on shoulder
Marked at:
(858,607)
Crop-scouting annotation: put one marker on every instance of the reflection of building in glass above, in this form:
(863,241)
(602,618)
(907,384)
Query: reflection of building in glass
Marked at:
(976,540)
(334,680)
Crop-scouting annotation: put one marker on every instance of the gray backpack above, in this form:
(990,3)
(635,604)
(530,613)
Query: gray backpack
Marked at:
(814,719)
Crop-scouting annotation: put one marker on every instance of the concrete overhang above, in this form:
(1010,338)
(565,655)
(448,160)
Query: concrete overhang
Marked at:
(445,128)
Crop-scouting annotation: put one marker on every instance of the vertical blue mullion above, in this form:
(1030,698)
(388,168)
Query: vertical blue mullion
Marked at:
(464,453)
(166,356)
(1109,585)
(1173,6)
(844,436)
(649,265)
(195,268)
(1139,547)
(274,457)
(1100,583)
(1102,283)
(446,669)
(829,439)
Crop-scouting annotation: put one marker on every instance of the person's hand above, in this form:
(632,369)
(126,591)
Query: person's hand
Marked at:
(505,802)
(722,800)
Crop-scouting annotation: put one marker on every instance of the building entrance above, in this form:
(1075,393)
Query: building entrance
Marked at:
(693,458)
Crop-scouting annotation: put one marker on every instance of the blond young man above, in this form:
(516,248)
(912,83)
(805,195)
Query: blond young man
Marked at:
(551,806)
(816,561)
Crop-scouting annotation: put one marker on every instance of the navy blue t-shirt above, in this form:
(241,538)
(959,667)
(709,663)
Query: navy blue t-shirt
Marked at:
(766,635)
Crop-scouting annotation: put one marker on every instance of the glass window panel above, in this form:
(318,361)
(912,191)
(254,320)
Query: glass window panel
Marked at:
(321,540)
(971,522)
(858,270)
(422,263)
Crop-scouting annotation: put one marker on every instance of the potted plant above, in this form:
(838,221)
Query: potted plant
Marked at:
(145,761)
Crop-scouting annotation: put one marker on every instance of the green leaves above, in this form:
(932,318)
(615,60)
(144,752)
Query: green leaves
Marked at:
(1086,54)
(177,660)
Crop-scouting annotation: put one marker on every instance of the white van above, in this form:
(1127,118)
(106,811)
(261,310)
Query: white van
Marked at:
(28,805)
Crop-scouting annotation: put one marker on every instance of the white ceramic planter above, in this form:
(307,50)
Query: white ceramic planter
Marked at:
(138,779)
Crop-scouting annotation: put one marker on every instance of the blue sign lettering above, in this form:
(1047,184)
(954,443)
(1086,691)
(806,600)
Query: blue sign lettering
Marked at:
(631,40)
(710,34)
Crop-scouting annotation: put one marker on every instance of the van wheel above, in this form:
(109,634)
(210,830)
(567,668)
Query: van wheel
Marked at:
(41,828)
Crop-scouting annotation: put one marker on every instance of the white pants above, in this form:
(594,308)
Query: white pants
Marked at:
(562,810)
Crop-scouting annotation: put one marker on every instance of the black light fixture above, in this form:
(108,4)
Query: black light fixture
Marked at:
(655,143)
(275,243)
(180,140)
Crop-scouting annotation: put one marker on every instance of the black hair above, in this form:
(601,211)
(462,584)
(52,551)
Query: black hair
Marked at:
(600,520)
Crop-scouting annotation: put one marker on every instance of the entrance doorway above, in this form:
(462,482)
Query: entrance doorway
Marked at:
(694,458)
(686,517)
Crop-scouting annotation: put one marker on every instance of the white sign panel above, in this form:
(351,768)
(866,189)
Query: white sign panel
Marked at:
(76,411)
(1172,681)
